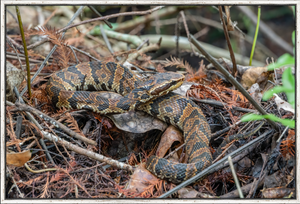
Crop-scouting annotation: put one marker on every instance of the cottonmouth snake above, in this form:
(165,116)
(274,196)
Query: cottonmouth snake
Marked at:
(71,88)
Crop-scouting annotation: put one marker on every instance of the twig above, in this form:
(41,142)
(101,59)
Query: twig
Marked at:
(255,36)
(241,155)
(232,80)
(144,19)
(80,150)
(83,52)
(225,16)
(52,14)
(15,18)
(53,49)
(37,150)
(77,61)
(245,189)
(267,30)
(16,52)
(121,18)
(223,152)
(142,44)
(17,45)
(202,32)
(25,50)
(236,180)
(216,166)
(283,132)
(177,34)
(234,71)
(37,125)
(248,38)
(66,136)
(18,126)
(186,28)
(24,107)
(106,40)
(15,184)
(238,136)
(88,153)
(110,16)
(21,55)
(38,43)
(99,14)
(46,151)
(152,47)
(220,132)
(260,179)
(21,58)
(175,150)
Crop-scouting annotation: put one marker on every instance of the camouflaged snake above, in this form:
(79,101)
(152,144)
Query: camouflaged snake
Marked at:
(76,87)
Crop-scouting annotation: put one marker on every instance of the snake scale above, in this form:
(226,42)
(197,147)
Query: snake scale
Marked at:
(76,87)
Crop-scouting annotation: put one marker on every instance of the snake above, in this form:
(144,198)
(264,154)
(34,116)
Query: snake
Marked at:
(79,86)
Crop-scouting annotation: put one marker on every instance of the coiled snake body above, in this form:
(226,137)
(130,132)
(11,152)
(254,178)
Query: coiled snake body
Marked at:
(71,88)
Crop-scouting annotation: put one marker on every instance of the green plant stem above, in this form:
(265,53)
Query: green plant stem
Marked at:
(255,36)
(25,50)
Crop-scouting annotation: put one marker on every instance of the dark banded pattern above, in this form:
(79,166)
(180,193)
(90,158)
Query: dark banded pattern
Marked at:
(187,116)
(71,88)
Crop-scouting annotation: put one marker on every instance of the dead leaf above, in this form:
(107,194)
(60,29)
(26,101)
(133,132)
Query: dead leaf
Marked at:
(134,121)
(140,178)
(255,92)
(281,104)
(277,192)
(171,135)
(137,122)
(187,193)
(251,75)
(184,88)
(18,159)
(275,180)
(14,78)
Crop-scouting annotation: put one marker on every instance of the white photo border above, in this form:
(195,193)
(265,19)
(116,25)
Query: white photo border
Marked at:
(139,2)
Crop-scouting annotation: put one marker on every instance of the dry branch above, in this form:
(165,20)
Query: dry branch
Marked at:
(24,107)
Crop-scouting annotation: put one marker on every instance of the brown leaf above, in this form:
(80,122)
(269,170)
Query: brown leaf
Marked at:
(140,179)
(171,135)
(18,159)
(252,75)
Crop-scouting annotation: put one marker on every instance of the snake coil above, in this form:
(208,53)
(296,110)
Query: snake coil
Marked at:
(76,87)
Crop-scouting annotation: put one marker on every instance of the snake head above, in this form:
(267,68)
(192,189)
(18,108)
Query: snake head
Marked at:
(163,83)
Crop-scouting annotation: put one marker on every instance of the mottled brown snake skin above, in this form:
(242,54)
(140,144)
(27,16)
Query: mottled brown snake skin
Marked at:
(76,87)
